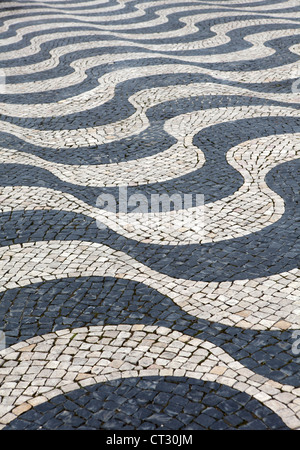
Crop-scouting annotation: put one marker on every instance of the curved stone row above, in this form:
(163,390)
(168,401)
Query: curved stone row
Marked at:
(150,403)
(261,303)
(235,38)
(212,222)
(58,304)
(111,320)
(61,362)
(254,255)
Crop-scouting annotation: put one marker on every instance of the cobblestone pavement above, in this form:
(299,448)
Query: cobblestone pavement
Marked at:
(177,318)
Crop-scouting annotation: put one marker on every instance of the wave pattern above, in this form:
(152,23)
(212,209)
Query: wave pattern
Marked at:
(181,314)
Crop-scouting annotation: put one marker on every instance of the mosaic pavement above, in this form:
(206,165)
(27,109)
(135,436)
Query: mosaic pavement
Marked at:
(131,318)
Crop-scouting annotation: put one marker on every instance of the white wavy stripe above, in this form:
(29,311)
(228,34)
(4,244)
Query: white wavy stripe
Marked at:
(67,3)
(135,124)
(283,5)
(251,208)
(56,33)
(224,3)
(162,16)
(187,227)
(160,19)
(21,32)
(189,28)
(264,306)
(220,38)
(80,15)
(176,161)
(211,222)
(270,7)
(79,5)
(83,8)
(266,303)
(142,356)
(35,45)
(80,67)
(258,49)
(105,91)
(89,6)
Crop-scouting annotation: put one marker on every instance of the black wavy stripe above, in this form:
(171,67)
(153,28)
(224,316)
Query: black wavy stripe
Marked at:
(78,302)
(41,308)
(138,403)
(282,55)
(273,250)
(236,43)
(270,251)
(245,5)
(119,108)
(92,75)
(150,13)
(68,4)
(216,179)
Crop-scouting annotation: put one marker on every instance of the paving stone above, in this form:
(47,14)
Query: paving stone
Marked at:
(183,317)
